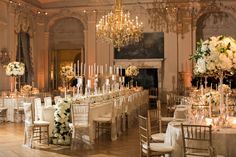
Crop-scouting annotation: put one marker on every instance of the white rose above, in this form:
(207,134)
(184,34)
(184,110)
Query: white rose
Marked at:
(201,65)
(230,54)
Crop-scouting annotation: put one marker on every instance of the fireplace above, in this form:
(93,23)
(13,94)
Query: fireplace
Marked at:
(147,78)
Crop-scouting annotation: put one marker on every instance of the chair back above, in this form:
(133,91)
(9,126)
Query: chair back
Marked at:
(38,109)
(143,133)
(28,114)
(154,121)
(80,114)
(48,101)
(197,140)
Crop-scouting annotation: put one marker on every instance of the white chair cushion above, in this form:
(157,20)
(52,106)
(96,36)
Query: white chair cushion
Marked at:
(159,147)
(167,119)
(158,137)
(41,123)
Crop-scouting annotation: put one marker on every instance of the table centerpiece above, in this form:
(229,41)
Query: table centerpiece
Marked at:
(131,71)
(216,57)
(15,69)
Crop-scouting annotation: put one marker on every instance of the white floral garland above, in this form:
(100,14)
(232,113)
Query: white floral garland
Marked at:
(61,134)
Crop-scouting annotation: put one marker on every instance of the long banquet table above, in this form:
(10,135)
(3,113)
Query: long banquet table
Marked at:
(130,101)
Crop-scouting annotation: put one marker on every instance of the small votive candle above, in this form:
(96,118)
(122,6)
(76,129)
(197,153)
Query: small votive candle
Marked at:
(107,81)
(89,83)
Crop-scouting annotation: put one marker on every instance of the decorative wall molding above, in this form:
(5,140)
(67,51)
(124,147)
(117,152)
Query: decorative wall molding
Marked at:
(65,13)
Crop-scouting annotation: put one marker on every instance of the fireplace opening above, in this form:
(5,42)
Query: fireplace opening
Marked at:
(147,78)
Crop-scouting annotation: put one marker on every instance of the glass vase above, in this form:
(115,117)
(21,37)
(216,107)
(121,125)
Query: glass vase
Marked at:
(13,84)
(131,82)
(222,105)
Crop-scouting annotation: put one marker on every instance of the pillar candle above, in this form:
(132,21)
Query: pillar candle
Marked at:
(89,71)
(102,69)
(81,69)
(110,70)
(97,69)
(80,81)
(113,77)
(117,70)
(226,103)
(94,68)
(120,79)
(105,69)
(107,81)
(65,92)
(78,67)
(74,69)
(84,68)
(89,83)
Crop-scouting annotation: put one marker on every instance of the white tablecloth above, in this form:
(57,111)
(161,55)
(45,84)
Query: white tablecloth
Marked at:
(130,104)
(224,140)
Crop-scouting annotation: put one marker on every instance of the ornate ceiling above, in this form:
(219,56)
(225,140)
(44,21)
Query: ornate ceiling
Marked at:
(67,3)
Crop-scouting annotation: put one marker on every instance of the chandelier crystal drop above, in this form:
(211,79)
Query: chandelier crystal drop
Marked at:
(118,28)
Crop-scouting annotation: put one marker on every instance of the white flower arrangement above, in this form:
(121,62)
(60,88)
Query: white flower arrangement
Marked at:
(212,98)
(226,88)
(217,54)
(131,71)
(67,72)
(15,69)
(28,89)
(61,130)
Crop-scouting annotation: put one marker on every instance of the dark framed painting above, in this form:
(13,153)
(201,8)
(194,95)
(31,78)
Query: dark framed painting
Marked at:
(151,46)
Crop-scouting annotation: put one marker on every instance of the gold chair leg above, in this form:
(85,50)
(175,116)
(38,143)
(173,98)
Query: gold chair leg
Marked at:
(48,134)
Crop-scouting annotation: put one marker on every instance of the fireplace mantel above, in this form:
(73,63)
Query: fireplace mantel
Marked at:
(140,63)
(145,64)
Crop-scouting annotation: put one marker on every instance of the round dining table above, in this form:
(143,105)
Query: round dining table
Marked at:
(223,139)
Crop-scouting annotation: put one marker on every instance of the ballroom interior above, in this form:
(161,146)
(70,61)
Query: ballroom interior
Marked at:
(128,65)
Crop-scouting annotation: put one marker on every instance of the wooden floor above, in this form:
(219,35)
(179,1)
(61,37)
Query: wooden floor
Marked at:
(11,145)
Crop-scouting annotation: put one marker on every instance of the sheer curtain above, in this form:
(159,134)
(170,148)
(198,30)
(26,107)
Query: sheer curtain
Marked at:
(24,55)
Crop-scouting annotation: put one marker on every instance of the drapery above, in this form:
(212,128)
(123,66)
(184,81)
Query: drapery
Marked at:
(24,55)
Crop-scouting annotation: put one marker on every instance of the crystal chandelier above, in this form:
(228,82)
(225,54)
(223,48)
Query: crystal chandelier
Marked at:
(118,28)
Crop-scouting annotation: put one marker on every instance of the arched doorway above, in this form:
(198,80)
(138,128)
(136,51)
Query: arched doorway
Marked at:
(66,44)
(214,24)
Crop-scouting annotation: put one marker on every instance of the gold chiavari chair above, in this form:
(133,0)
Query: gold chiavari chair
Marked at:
(197,141)
(148,148)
